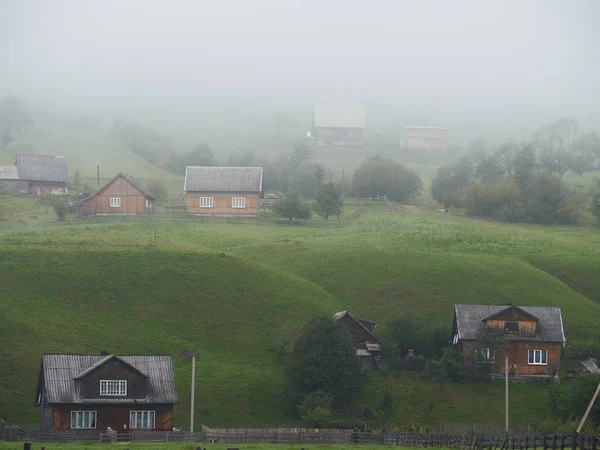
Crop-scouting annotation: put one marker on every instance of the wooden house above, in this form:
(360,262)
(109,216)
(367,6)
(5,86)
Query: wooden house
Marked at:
(368,347)
(533,337)
(342,125)
(424,138)
(223,191)
(102,390)
(121,195)
(42,174)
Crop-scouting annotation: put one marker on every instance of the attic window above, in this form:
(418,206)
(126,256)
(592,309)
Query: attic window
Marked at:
(511,328)
(113,387)
(115,202)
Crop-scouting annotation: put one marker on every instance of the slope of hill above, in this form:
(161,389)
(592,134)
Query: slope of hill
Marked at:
(85,150)
(239,293)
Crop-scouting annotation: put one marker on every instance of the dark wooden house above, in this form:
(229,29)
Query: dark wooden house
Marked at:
(223,191)
(100,391)
(533,337)
(368,347)
(42,174)
(121,195)
(341,125)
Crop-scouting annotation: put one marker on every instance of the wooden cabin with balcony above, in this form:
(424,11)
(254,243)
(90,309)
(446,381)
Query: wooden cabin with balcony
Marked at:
(533,337)
(368,347)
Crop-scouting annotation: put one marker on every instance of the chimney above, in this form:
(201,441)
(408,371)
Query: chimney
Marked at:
(104,353)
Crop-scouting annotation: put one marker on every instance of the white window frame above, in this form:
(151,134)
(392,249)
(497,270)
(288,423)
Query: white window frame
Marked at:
(79,417)
(147,203)
(486,352)
(206,202)
(238,202)
(115,202)
(113,388)
(147,418)
(534,360)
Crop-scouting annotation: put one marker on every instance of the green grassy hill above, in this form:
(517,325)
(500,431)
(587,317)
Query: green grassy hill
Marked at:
(85,151)
(239,293)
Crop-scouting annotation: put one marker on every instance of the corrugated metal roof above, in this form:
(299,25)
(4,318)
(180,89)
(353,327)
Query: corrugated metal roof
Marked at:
(340,116)
(42,168)
(9,173)
(61,370)
(549,328)
(223,179)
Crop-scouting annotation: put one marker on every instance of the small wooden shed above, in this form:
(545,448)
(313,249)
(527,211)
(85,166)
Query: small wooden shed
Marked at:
(121,195)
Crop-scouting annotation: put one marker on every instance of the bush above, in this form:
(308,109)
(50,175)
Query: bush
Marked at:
(379,176)
(498,200)
(291,207)
(159,189)
(452,366)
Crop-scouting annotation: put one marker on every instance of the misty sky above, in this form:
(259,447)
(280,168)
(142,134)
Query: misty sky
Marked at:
(451,56)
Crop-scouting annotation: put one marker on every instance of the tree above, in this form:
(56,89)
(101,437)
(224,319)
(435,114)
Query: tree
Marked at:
(323,360)
(387,405)
(159,189)
(316,408)
(449,180)
(379,176)
(75,183)
(524,164)
(292,208)
(202,155)
(548,200)
(500,200)
(329,202)
(319,175)
(301,154)
(476,150)
(596,201)
(245,160)
(505,156)
(489,169)
(488,340)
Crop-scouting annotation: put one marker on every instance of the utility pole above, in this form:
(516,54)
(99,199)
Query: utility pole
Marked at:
(506,377)
(186,354)
(589,408)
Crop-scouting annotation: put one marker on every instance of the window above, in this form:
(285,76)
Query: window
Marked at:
(113,387)
(83,419)
(238,202)
(538,357)
(484,355)
(511,328)
(206,202)
(141,419)
(115,202)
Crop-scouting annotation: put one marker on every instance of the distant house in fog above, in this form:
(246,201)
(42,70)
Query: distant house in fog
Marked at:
(342,125)
(42,174)
(424,138)
(9,180)
(121,195)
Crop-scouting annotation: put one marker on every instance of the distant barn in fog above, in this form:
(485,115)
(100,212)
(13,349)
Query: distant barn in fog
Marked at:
(424,138)
(342,125)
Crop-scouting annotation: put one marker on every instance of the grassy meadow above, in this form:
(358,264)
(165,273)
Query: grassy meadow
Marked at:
(193,446)
(239,293)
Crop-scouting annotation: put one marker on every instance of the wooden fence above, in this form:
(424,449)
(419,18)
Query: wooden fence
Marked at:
(470,441)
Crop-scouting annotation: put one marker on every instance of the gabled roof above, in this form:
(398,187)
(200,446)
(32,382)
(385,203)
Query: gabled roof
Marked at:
(103,361)
(223,179)
(509,308)
(339,116)
(42,168)
(59,372)
(9,173)
(340,315)
(130,179)
(469,318)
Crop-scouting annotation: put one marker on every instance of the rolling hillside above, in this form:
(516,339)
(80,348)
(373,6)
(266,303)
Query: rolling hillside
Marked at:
(85,150)
(239,293)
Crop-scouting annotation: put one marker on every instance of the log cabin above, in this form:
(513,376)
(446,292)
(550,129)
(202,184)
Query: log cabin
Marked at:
(368,347)
(42,174)
(121,195)
(103,390)
(341,125)
(532,338)
(223,191)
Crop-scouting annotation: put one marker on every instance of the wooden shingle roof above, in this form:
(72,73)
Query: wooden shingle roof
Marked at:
(59,372)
